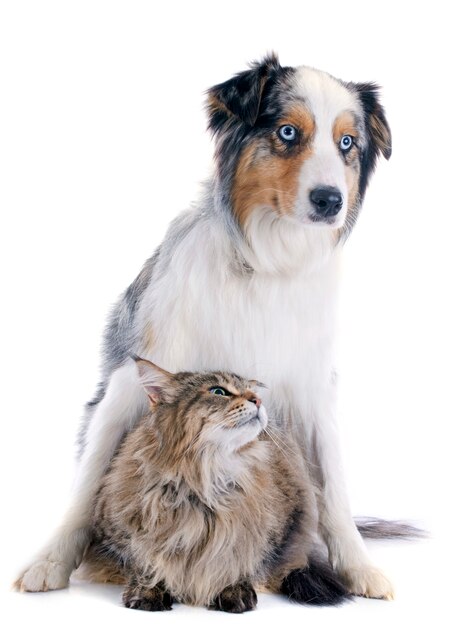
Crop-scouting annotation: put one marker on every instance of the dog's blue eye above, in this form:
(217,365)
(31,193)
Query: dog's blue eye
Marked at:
(219,391)
(287,132)
(346,142)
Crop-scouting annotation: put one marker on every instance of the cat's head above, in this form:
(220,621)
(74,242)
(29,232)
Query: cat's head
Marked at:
(196,411)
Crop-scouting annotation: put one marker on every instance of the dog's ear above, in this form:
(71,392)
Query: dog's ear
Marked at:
(157,382)
(379,137)
(241,95)
(374,115)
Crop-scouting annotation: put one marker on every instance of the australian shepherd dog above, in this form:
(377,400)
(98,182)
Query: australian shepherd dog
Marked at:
(246,281)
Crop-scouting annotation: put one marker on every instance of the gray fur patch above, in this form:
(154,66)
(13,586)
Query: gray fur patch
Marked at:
(119,339)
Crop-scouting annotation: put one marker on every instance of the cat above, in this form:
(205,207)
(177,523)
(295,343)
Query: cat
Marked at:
(204,501)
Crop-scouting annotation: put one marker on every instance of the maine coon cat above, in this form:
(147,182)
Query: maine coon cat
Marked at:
(203,502)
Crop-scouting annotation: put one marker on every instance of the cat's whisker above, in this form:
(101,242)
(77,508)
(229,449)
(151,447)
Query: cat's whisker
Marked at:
(278,441)
(276,436)
(277,445)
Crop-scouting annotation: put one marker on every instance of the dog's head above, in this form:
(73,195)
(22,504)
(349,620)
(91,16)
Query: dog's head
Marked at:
(296,142)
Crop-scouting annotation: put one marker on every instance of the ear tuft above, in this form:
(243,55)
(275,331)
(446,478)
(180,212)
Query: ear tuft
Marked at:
(157,382)
(241,95)
(257,384)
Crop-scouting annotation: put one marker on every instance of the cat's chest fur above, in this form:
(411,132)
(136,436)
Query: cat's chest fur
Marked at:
(174,534)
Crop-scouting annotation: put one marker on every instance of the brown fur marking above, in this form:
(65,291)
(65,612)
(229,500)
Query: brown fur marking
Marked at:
(381,134)
(345,124)
(214,105)
(268,171)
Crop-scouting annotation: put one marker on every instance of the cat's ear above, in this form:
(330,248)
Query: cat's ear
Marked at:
(256,384)
(157,382)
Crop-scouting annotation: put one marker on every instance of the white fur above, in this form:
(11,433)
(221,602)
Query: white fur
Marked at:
(277,325)
(232,439)
(325,167)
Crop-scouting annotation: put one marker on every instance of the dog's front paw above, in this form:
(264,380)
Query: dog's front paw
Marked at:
(44,576)
(368,581)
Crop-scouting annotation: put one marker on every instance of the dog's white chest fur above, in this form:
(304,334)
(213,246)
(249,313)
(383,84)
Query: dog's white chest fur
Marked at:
(277,326)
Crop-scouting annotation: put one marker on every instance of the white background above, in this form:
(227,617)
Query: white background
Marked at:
(102,143)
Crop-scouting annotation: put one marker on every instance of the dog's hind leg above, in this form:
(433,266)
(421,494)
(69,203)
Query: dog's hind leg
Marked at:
(123,404)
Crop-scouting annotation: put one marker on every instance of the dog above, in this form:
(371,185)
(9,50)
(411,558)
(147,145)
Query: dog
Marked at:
(247,281)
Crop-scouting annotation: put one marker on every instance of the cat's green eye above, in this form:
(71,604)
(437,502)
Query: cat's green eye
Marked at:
(219,391)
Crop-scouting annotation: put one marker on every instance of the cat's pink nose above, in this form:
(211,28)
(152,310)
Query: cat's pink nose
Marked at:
(257,401)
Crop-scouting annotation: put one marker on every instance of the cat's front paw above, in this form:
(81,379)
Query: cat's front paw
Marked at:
(44,575)
(236,598)
(147,599)
(368,581)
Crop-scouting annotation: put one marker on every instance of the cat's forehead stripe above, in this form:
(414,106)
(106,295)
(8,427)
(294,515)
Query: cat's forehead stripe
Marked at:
(232,389)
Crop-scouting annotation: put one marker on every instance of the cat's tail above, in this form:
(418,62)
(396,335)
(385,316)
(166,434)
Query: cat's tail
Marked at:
(315,584)
(375,528)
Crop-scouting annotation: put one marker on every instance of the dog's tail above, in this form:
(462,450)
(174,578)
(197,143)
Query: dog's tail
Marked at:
(316,584)
(375,528)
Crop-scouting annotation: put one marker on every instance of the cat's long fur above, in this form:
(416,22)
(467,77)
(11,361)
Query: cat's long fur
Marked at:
(247,281)
(200,499)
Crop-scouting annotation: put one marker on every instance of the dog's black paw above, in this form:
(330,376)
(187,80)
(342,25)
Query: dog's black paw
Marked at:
(157,598)
(236,598)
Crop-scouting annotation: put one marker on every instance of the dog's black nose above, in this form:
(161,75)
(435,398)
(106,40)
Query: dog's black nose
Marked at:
(326,200)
